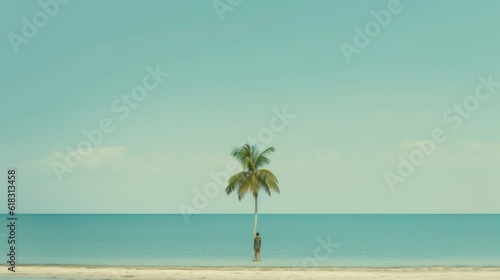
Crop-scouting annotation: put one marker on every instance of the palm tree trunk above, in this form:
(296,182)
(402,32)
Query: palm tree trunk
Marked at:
(255,221)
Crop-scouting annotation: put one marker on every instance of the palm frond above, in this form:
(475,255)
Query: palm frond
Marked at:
(234,182)
(246,185)
(268,181)
(255,185)
(244,155)
(262,159)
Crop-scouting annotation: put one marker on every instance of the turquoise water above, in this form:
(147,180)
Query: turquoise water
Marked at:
(288,240)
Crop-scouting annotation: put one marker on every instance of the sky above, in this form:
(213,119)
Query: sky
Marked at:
(372,106)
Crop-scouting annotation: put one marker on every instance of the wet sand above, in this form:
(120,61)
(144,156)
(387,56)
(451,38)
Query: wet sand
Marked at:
(244,273)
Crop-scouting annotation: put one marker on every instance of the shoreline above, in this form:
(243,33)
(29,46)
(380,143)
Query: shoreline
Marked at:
(98,272)
(201,267)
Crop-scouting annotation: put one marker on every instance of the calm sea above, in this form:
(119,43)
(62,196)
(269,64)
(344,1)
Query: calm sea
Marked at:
(287,240)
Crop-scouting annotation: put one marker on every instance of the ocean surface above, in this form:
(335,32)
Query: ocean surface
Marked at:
(227,240)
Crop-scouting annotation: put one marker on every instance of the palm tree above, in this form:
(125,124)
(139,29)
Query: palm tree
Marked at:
(252,178)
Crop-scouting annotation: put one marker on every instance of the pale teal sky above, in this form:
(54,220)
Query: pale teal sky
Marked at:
(353,120)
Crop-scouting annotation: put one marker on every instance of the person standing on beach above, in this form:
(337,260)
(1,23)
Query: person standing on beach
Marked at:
(257,241)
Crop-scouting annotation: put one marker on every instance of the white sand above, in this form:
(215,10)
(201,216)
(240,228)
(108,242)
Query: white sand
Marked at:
(106,272)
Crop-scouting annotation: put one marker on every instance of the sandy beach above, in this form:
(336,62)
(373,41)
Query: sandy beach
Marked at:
(178,273)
